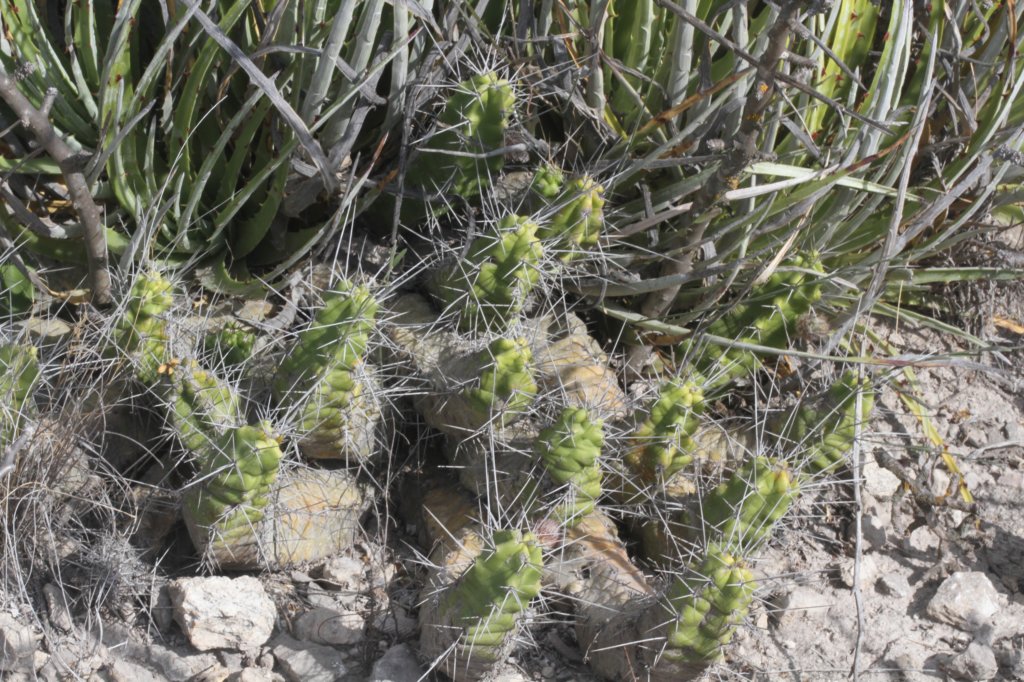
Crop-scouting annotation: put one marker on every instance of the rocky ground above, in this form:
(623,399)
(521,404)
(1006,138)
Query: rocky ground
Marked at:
(939,584)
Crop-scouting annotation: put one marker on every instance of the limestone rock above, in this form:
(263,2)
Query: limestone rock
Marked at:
(303,662)
(223,613)
(976,663)
(326,626)
(17,646)
(398,664)
(966,600)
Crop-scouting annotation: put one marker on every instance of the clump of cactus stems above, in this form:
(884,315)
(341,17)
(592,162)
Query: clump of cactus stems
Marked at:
(490,285)
(471,625)
(323,376)
(769,319)
(471,127)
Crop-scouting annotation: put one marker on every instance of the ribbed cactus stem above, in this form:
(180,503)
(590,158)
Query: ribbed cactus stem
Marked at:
(823,433)
(229,499)
(472,625)
(570,449)
(548,182)
(663,442)
(142,331)
(489,287)
(322,375)
(472,124)
(706,606)
(506,388)
(233,343)
(204,407)
(770,320)
(576,226)
(741,513)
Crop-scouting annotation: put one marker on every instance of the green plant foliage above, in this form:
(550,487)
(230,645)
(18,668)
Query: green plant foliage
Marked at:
(663,443)
(234,484)
(204,407)
(548,182)
(19,375)
(232,344)
(141,331)
(823,433)
(743,510)
(490,285)
(472,125)
(506,387)
(708,605)
(577,224)
(17,294)
(570,449)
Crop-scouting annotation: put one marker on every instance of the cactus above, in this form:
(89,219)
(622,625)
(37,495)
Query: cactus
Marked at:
(506,387)
(19,374)
(472,624)
(742,511)
(233,343)
(826,432)
(228,500)
(771,320)
(473,124)
(570,449)
(142,331)
(490,285)
(548,182)
(579,219)
(663,442)
(339,411)
(706,606)
(17,294)
(203,408)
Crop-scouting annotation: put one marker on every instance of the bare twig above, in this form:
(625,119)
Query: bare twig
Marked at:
(71,166)
(858,472)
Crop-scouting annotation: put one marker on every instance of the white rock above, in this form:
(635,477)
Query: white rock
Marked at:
(304,662)
(878,482)
(398,664)
(126,671)
(868,571)
(223,613)
(17,646)
(326,626)
(922,540)
(966,600)
(977,662)
(894,584)
(251,675)
(343,574)
(802,602)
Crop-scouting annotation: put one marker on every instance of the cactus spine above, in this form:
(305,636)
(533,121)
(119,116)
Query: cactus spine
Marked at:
(490,286)
(472,625)
(570,449)
(507,387)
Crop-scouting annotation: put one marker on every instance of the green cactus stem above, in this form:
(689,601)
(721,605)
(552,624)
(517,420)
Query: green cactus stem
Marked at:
(704,608)
(203,409)
(570,449)
(233,343)
(19,375)
(489,287)
(662,444)
(823,433)
(506,388)
(17,293)
(336,339)
(141,331)
(472,625)
(770,320)
(323,376)
(577,224)
(228,500)
(742,512)
(548,182)
(472,126)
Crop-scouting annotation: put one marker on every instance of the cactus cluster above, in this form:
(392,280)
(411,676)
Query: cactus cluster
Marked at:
(576,225)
